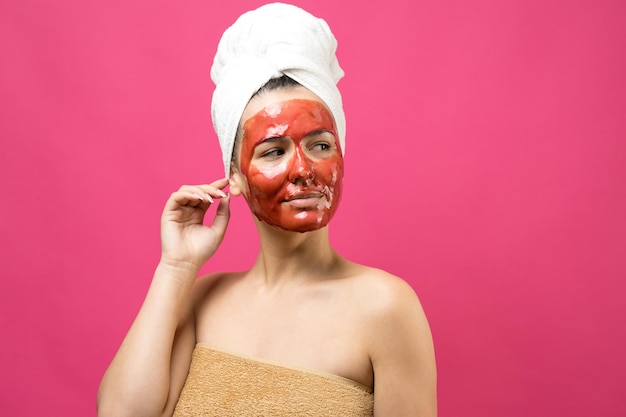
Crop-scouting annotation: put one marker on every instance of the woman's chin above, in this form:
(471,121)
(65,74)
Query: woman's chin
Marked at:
(301,222)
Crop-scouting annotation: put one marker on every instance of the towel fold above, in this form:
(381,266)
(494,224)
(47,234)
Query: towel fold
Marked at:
(274,40)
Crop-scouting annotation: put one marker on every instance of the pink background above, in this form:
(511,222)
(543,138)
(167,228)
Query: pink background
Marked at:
(486,163)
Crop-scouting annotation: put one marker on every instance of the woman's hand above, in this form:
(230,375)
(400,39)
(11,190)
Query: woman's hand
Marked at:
(185,241)
(149,370)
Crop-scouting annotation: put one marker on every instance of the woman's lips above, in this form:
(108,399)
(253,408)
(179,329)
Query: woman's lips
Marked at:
(304,200)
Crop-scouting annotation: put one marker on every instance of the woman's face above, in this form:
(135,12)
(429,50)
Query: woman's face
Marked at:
(290,160)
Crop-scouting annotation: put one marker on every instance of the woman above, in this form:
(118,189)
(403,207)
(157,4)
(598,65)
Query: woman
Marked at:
(304,331)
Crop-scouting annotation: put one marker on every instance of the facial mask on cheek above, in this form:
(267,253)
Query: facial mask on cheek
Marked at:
(294,191)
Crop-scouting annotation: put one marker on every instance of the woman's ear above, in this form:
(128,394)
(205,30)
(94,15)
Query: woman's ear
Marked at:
(237,182)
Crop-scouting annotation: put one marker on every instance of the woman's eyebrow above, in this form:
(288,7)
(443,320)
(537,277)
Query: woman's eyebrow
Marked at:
(318,132)
(273,139)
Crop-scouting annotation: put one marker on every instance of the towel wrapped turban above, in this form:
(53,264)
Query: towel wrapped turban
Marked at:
(269,42)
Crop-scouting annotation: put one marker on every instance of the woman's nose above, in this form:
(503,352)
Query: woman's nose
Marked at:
(301,168)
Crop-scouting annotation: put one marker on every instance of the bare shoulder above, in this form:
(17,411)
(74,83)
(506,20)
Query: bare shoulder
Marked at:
(393,312)
(209,286)
(385,294)
(399,344)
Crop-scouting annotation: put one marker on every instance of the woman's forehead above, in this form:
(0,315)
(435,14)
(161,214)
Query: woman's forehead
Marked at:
(268,98)
(296,118)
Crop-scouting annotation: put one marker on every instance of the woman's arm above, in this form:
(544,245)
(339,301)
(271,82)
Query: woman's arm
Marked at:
(405,375)
(148,372)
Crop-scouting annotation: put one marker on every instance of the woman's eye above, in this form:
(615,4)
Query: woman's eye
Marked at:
(321,146)
(273,153)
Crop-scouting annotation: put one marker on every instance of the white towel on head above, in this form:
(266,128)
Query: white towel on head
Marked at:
(274,40)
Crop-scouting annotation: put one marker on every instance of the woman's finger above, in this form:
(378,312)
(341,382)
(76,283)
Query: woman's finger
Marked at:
(201,196)
(220,222)
(215,189)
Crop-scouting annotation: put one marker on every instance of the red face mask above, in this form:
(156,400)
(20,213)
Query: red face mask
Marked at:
(291,159)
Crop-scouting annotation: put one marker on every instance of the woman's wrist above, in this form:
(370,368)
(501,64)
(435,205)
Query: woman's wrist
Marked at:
(182,271)
(179,266)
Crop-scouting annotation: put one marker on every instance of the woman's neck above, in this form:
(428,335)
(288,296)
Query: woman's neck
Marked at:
(291,257)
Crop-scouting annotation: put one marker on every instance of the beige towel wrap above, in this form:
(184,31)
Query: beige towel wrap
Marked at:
(224,384)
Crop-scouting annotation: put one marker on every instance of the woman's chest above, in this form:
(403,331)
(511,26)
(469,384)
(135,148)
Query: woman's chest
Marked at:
(318,331)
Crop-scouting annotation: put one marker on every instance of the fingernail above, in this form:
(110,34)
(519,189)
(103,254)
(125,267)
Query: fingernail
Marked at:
(221,193)
(198,196)
(208,197)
